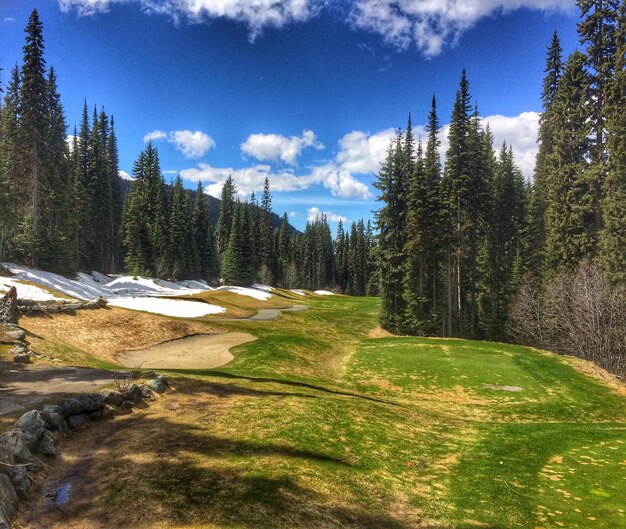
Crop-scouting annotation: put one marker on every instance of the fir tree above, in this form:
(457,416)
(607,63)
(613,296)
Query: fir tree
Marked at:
(225,219)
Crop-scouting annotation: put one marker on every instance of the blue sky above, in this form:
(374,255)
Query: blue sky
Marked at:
(305,91)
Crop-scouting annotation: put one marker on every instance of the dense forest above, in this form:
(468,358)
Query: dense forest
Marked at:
(470,249)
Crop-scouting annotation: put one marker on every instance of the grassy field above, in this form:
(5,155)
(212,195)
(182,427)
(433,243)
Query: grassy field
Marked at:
(320,424)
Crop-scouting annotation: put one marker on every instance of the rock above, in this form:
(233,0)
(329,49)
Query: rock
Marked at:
(33,426)
(91,401)
(68,310)
(8,499)
(133,393)
(73,306)
(21,481)
(101,302)
(126,407)
(17,458)
(146,392)
(21,358)
(156,385)
(16,335)
(53,310)
(96,415)
(52,416)
(90,305)
(112,396)
(78,422)
(71,406)
(164,379)
(18,348)
(46,445)
(149,374)
(8,307)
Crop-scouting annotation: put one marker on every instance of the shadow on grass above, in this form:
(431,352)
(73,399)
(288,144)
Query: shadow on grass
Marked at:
(185,475)
(293,383)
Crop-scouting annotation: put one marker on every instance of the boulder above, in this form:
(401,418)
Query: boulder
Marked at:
(52,416)
(96,415)
(68,310)
(53,310)
(45,446)
(8,307)
(91,401)
(126,407)
(101,302)
(146,392)
(164,379)
(21,480)
(18,348)
(21,358)
(112,397)
(16,335)
(77,422)
(132,393)
(71,406)
(8,499)
(13,448)
(156,385)
(73,306)
(90,305)
(33,427)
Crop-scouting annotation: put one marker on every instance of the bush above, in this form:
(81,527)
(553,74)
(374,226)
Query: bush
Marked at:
(580,314)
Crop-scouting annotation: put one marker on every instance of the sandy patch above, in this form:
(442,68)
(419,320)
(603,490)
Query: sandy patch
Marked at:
(193,352)
(513,389)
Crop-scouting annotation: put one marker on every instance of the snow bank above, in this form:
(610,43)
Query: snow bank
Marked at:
(25,291)
(250,292)
(324,293)
(265,288)
(298,291)
(168,307)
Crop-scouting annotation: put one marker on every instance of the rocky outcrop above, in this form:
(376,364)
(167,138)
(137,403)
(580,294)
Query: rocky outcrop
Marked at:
(8,307)
(52,307)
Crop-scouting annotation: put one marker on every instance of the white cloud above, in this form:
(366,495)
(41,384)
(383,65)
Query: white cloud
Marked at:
(361,153)
(274,147)
(87,7)
(155,135)
(256,14)
(315,213)
(8,20)
(430,24)
(125,176)
(192,144)
(520,132)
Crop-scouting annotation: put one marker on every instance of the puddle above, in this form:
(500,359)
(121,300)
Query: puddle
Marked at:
(62,495)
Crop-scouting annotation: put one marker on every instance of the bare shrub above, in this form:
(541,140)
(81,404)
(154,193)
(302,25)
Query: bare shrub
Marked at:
(266,277)
(580,314)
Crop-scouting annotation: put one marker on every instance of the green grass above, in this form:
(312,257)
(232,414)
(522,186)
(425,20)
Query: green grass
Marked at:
(317,425)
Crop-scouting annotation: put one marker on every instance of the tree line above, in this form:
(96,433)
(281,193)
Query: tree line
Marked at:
(64,208)
(464,244)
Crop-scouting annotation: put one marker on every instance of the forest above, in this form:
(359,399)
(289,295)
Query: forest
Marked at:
(462,247)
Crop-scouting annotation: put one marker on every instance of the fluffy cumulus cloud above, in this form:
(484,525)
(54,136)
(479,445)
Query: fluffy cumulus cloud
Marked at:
(520,132)
(316,213)
(430,24)
(193,144)
(256,14)
(274,147)
(361,153)
(339,182)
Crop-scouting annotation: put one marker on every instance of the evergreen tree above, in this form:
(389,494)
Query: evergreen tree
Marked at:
(571,232)
(225,219)
(613,235)
(236,269)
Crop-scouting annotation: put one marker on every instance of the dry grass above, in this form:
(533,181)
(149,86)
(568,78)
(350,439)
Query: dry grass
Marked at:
(104,333)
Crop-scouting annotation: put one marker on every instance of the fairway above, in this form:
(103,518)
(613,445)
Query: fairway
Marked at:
(316,425)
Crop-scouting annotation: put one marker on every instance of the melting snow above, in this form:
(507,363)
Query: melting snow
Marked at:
(324,293)
(168,307)
(251,292)
(298,291)
(26,291)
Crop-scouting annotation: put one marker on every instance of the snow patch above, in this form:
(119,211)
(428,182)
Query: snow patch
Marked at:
(324,293)
(265,288)
(250,292)
(26,291)
(168,307)
(298,291)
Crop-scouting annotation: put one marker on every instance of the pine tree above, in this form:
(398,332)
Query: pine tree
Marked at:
(613,234)
(539,196)
(571,232)
(116,199)
(225,219)
(33,132)
(236,269)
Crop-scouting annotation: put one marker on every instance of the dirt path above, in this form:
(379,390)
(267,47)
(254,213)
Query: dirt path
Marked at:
(267,314)
(194,352)
(24,387)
